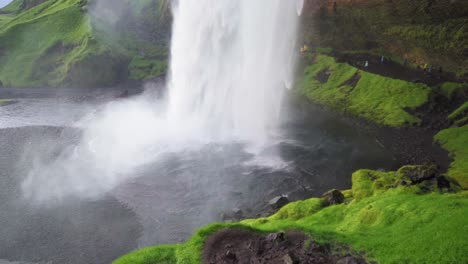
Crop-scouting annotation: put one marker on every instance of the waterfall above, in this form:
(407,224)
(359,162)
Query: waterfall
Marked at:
(231,62)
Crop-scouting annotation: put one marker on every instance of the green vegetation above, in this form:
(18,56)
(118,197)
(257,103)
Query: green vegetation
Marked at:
(391,223)
(159,254)
(376,98)
(450,89)
(455,140)
(64,43)
(423,31)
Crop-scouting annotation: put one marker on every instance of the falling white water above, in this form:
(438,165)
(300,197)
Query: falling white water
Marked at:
(231,62)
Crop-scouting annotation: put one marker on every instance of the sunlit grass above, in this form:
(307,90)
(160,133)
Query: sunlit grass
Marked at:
(388,224)
(376,98)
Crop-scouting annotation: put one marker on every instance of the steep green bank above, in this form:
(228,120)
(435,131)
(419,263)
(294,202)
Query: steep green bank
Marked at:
(423,31)
(390,221)
(76,43)
(377,98)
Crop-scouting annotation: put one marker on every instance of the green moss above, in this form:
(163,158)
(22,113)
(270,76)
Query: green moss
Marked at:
(455,140)
(299,209)
(450,89)
(396,225)
(376,98)
(56,43)
(368,182)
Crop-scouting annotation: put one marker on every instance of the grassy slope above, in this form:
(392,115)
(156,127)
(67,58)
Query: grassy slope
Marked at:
(392,225)
(455,140)
(30,36)
(58,44)
(376,98)
(424,31)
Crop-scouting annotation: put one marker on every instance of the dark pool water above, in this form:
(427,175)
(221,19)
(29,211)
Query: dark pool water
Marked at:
(166,200)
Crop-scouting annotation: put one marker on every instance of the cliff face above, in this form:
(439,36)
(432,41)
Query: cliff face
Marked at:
(423,31)
(78,43)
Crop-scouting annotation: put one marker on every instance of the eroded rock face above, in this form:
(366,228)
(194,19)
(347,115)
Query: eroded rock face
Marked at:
(240,246)
(278,202)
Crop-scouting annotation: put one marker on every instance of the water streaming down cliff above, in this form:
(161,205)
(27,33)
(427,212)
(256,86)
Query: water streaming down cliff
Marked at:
(231,61)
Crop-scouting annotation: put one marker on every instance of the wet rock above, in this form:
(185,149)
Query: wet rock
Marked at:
(443,183)
(289,259)
(230,255)
(333,197)
(275,237)
(278,202)
(323,75)
(237,213)
(418,174)
(124,94)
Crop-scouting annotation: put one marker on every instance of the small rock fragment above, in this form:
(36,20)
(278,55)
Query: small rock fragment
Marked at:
(278,202)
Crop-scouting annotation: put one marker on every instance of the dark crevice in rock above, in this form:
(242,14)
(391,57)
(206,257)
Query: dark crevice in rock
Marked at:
(323,75)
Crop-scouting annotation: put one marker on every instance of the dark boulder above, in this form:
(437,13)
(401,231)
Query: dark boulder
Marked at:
(278,202)
(443,183)
(333,197)
(418,174)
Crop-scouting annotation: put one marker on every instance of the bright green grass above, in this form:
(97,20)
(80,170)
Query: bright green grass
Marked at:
(455,140)
(391,225)
(29,40)
(161,254)
(376,98)
(57,43)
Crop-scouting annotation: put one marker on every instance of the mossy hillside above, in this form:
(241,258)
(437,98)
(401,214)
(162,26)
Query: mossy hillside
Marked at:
(455,140)
(374,97)
(389,222)
(143,35)
(58,43)
(423,31)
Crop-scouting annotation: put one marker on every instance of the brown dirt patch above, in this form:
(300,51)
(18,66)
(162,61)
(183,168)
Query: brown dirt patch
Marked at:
(232,246)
